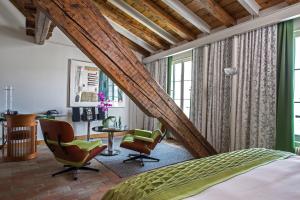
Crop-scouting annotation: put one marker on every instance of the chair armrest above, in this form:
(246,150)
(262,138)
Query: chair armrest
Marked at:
(145,139)
(142,133)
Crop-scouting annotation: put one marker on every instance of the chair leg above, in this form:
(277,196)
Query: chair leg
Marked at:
(131,158)
(140,158)
(74,170)
(64,171)
(151,158)
(89,169)
(75,174)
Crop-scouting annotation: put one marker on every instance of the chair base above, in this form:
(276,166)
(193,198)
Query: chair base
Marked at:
(140,158)
(74,170)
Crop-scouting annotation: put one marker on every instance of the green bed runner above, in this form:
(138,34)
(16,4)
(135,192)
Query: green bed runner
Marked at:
(189,178)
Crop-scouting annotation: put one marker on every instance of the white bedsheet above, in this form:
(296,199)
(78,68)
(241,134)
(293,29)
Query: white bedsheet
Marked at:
(279,180)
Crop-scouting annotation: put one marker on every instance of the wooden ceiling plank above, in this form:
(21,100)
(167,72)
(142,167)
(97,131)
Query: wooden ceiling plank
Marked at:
(131,25)
(135,46)
(131,36)
(214,9)
(276,16)
(171,22)
(186,13)
(144,20)
(251,6)
(91,32)
(42,26)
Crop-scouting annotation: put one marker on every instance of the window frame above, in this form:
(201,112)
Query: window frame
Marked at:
(182,80)
(296,68)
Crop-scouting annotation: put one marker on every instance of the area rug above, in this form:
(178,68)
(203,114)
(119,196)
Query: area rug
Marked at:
(167,153)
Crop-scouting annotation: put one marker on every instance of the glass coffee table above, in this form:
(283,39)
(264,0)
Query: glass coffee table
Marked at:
(110,151)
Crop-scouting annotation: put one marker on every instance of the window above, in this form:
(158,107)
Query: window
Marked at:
(297,85)
(181,75)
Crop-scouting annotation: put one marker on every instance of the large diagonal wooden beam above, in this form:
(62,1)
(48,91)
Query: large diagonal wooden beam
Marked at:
(215,10)
(166,19)
(292,1)
(130,24)
(82,22)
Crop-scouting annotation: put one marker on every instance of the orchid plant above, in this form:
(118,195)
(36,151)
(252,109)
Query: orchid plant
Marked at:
(104,104)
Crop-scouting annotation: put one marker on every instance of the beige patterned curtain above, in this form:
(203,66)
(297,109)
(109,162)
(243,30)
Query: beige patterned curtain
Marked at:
(255,105)
(137,119)
(210,94)
(198,95)
(158,70)
(239,111)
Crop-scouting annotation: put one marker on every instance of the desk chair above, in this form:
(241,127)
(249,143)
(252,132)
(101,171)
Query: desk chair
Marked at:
(21,137)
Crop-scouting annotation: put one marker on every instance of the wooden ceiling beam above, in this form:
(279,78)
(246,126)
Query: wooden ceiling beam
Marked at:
(144,20)
(131,25)
(28,9)
(169,21)
(189,15)
(82,22)
(42,27)
(215,10)
(251,6)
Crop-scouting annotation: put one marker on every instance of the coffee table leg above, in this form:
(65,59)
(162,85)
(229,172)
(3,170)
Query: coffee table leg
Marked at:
(88,130)
(110,147)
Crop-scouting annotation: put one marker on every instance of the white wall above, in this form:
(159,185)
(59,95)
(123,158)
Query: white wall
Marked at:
(39,73)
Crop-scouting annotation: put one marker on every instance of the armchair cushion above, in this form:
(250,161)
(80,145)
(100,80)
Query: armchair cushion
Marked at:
(142,133)
(145,139)
(85,145)
(146,136)
(81,144)
(128,138)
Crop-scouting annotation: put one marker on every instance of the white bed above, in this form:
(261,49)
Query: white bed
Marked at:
(279,180)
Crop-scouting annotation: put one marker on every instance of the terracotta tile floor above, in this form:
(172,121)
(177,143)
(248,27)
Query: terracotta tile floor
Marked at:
(32,180)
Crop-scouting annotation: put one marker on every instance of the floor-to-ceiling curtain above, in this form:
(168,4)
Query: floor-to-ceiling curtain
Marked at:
(285,92)
(198,90)
(255,123)
(210,94)
(218,95)
(254,88)
(158,70)
(137,119)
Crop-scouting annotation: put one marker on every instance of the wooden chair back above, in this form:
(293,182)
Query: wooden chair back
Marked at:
(21,137)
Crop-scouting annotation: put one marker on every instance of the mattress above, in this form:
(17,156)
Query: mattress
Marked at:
(192,179)
(274,181)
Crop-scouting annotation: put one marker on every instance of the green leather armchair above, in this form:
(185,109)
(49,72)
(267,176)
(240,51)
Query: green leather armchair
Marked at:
(143,142)
(74,154)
